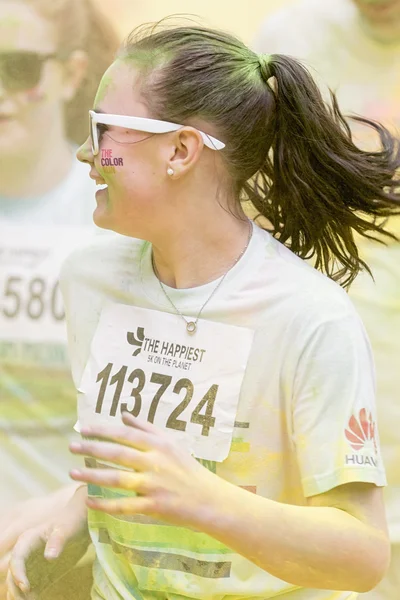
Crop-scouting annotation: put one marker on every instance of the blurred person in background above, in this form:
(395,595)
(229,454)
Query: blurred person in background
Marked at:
(52,56)
(354,47)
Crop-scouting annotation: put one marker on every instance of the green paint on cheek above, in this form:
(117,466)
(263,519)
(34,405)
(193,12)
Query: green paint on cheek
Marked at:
(108,169)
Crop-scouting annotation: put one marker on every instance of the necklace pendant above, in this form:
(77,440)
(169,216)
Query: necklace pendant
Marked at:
(191,327)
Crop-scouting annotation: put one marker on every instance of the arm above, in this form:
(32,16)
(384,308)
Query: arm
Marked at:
(339,541)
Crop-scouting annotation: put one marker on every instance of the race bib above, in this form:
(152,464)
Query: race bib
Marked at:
(31,308)
(145,362)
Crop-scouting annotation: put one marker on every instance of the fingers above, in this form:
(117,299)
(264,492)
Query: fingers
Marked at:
(115,453)
(13,591)
(122,434)
(18,586)
(140,424)
(25,545)
(55,543)
(113,478)
(123,506)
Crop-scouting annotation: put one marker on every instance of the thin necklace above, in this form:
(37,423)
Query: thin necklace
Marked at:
(191,325)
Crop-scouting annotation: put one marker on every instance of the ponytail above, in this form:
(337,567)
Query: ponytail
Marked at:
(319,188)
(286,151)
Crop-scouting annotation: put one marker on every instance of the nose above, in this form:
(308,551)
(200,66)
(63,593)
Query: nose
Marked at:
(84,153)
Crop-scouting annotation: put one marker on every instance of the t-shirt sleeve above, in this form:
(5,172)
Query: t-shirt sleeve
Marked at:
(334,412)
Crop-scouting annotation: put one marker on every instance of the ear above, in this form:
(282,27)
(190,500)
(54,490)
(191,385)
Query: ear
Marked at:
(186,151)
(75,68)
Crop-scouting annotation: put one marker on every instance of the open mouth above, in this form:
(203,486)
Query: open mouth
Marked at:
(100,184)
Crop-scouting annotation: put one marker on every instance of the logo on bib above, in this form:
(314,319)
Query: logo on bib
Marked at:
(133,341)
(163,351)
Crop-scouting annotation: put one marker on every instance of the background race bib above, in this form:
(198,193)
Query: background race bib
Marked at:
(31,307)
(144,361)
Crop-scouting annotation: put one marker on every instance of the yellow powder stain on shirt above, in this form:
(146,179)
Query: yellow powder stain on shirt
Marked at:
(238,445)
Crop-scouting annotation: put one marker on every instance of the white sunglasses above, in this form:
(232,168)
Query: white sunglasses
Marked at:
(140,124)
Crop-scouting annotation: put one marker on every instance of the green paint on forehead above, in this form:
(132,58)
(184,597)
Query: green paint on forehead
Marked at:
(147,61)
(106,85)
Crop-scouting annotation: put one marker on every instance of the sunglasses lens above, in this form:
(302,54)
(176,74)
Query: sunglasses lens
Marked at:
(20,70)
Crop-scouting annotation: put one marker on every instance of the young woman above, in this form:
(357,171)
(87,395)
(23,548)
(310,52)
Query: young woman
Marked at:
(247,463)
(52,57)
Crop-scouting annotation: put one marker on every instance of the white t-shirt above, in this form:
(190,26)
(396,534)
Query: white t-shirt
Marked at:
(37,397)
(304,422)
(332,41)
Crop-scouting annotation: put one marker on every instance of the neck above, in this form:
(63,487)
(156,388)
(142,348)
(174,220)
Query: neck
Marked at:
(189,257)
(35,172)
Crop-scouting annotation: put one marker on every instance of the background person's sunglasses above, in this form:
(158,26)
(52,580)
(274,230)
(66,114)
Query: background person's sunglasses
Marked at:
(20,71)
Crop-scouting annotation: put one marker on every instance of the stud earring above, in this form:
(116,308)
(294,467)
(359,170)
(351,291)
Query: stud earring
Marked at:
(170,171)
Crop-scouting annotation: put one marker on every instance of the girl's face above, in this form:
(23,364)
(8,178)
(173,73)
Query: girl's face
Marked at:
(132,164)
(33,82)
(379,11)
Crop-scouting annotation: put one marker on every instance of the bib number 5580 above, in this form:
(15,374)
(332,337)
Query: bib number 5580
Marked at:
(202,414)
(34,297)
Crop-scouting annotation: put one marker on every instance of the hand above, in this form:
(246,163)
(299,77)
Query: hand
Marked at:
(23,516)
(170,484)
(33,565)
(28,514)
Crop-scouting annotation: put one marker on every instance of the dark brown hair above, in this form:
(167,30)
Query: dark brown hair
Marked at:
(287,151)
(81,26)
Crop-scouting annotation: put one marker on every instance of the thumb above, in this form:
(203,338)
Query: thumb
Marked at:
(55,543)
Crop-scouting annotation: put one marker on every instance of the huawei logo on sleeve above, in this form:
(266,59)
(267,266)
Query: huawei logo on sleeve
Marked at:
(361,431)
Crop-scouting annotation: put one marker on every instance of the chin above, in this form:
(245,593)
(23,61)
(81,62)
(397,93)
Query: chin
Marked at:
(101,219)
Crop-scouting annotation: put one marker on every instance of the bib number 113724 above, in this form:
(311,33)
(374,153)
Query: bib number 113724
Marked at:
(201,412)
(142,363)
